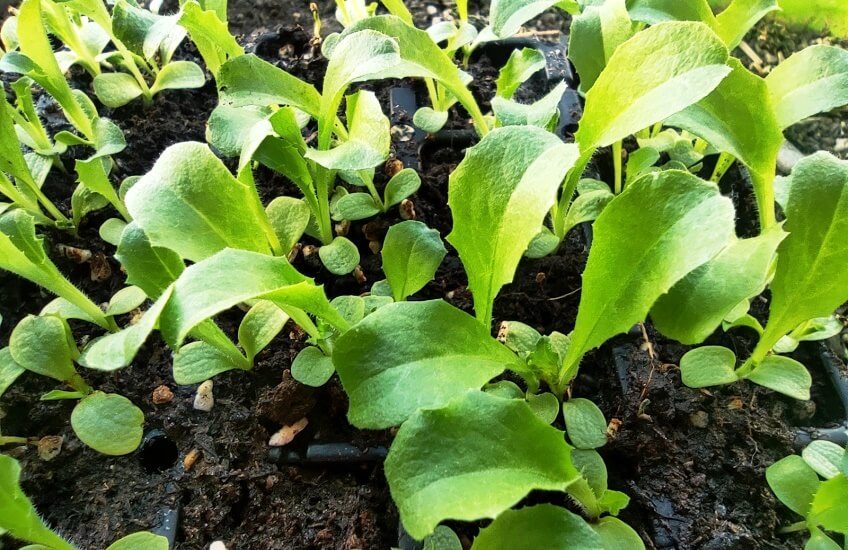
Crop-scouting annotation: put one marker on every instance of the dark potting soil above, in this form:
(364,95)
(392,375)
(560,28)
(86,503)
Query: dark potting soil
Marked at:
(692,461)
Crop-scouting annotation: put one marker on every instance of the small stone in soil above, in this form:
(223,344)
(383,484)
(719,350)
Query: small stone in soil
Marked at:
(100,269)
(190,459)
(218,545)
(204,400)
(699,419)
(49,447)
(76,255)
(359,275)
(375,247)
(287,433)
(162,395)
(407,209)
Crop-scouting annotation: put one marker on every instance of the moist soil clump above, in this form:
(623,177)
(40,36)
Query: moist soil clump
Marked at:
(692,461)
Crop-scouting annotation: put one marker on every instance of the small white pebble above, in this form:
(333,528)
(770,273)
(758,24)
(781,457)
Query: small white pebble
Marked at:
(218,545)
(287,433)
(203,399)
(432,10)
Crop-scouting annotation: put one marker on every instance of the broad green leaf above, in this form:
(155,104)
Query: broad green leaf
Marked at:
(64,309)
(289,218)
(794,483)
(733,23)
(179,75)
(586,207)
(658,230)
(783,375)
(368,140)
(504,190)
(387,359)
(197,362)
(584,423)
(189,192)
(312,367)
(42,345)
(116,89)
(695,307)
(507,16)
(617,535)
(738,117)
(542,113)
(9,370)
(820,541)
(591,466)
(117,350)
(355,206)
(208,30)
(541,526)
(148,267)
(442,538)
(402,185)
(126,300)
(595,35)
(811,81)
(708,366)
(248,80)
(667,67)
(412,253)
(473,459)
(824,457)
(430,120)
(657,11)
(340,257)
(108,139)
(20,518)
(422,57)
(234,276)
(830,507)
(818,14)
(228,128)
(521,65)
(545,405)
(108,423)
(260,326)
(140,541)
(809,281)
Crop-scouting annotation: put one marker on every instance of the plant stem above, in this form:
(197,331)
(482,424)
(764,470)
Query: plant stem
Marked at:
(723,164)
(794,527)
(616,162)
(369,183)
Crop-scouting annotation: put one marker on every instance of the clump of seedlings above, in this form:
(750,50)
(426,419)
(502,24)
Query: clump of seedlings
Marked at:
(481,421)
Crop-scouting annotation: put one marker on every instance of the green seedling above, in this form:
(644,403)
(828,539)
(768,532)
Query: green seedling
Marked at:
(814,486)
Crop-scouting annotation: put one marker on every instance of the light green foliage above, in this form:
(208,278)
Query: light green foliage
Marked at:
(149,267)
(595,34)
(811,81)
(808,280)
(740,16)
(540,526)
(412,253)
(738,117)
(126,300)
(543,113)
(44,346)
(584,424)
(430,120)
(824,457)
(9,370)
(140,541)
(667,67)
(340,257)
(783,375)
(288,217)
(248,80)
(820,328)
(657,11)
(695,306)
(817,14)
(473,459)
(521,65)
(18,516)
(708,366)
(386,360)
(499,195)
(234,276)
(794,483)
(617,535)
(189,192)
(208,30)
(260,326)
(312,367)
(507,16)
(93,174)
(108,423)
(652,235)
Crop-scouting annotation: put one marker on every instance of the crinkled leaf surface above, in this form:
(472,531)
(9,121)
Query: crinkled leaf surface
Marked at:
(695,307)
(811,81)
(190,203)
(149,267)
(388,359)
(825,457)
(657,11)
(473,459)
(652,235)
(541,526)
(667,67)
(594,36)
(499,196)
(248,80)
(41,345)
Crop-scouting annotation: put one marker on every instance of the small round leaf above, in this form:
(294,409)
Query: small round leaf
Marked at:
(340,256)
(584,423)
(108,423)
(708,366)
(312,367)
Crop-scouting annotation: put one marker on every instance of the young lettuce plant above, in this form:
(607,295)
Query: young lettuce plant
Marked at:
(206,24)
(807,284)
(814,486)
(20,519)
